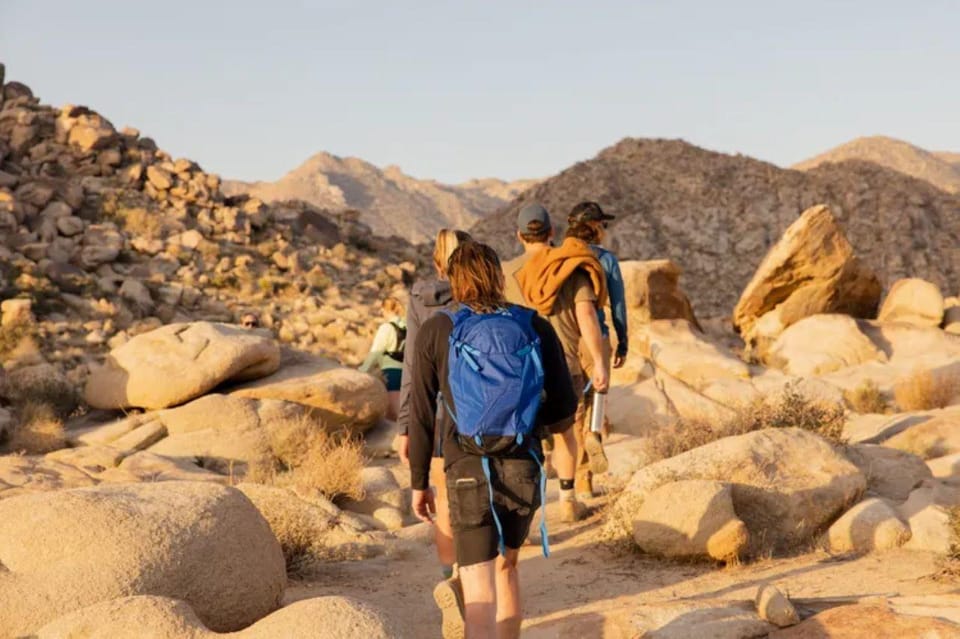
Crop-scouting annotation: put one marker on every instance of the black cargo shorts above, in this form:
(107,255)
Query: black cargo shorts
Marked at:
(516,498)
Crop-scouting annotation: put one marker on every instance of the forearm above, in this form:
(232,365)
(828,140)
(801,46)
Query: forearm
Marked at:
(373,358)
(590,331)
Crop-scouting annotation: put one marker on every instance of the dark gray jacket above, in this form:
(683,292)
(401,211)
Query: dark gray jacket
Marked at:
(426,299)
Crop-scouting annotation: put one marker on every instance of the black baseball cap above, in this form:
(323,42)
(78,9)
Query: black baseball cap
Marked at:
(588,212)
(533,213)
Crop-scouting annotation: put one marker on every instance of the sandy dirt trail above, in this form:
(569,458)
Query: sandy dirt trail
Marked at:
(586,591)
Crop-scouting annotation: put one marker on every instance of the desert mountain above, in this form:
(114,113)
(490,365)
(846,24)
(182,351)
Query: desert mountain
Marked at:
(949,157)
(390,201)
(716,215)
(939,169)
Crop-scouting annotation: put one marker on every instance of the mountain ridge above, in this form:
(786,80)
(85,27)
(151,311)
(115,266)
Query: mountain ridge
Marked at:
(390,201)
(717,214)
(942,169)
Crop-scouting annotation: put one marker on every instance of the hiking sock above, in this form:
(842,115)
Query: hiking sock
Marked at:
(566,490)
(447,571)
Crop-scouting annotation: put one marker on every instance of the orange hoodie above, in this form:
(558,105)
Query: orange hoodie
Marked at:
(544,273)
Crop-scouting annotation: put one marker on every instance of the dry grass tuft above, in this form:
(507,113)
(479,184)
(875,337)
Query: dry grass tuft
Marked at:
(40,431)
(866,398)
(12,336)
(790,408)
(305,457)
(926,390)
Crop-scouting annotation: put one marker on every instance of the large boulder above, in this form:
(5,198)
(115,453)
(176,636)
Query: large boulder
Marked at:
(822,344)
(221,432)
(224,431)
(868,621)
(787,484)
(891,473)
(929,435)
(700,619)
(197,541)
(870,525)
(930,513)
(179,362)
(318,618)
(951,315)
(811,270)
(676,348)
(691,518)
(21,474)
(311,524)
(913,301)
(653,292)
(339,397)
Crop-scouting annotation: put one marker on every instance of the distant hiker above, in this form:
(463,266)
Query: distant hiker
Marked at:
(387,352)
(496,375)
(427,299)
(588,222)
(250,320)
(566,285)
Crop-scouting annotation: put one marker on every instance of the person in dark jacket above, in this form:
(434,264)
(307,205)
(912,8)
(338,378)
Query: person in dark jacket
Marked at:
(486,508)
(427,299)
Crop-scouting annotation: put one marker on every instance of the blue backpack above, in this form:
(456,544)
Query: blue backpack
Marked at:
(495,373)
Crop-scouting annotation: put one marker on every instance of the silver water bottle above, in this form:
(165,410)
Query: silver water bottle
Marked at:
(597,412)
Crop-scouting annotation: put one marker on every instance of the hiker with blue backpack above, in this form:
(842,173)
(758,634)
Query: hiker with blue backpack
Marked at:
(566,285)
(496,376)
(588,222)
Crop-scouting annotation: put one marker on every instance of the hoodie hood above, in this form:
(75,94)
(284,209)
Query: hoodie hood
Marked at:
(433,293)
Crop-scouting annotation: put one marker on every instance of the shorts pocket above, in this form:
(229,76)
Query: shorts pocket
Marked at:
(469,501)
(520,486)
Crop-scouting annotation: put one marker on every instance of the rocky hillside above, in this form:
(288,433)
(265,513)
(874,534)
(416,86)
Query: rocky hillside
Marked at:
(939,169)
(950,157)
(391,202)
(105,236)
(716,215)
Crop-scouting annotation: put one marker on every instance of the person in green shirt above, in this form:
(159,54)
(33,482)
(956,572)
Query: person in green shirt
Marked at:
(386,352)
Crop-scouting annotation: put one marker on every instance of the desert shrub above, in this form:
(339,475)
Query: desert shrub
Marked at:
(141,222)
(866,398)
(791,408)
(12,335)
(305,457)
(38,432)
(41,385)
(925,390)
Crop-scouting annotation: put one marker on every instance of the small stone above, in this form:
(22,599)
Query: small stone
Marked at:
(775,607)
(70,226)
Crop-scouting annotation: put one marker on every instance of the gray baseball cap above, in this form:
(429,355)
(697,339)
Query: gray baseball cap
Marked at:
(533,213)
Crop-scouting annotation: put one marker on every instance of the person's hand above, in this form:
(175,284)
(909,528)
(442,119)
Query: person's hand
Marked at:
(619,360)
(423,505)
(403,448)
(601,379)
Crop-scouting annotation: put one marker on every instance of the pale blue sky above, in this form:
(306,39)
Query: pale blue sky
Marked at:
(453,90)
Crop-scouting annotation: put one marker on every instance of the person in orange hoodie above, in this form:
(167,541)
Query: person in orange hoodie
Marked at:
(566,285)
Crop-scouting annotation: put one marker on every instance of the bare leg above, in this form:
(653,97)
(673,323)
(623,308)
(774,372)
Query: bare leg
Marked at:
(393,405)
(509,608)
(565,453)
(480,599)
(442,529)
